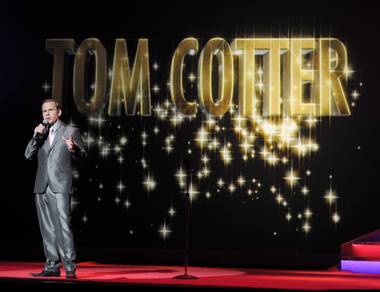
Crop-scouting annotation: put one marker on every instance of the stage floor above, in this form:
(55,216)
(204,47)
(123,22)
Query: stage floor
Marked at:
(102,274)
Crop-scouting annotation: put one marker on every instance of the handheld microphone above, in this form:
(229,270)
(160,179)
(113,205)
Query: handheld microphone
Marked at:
(45,123)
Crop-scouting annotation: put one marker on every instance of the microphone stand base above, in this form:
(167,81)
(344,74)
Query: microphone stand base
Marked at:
(185,277)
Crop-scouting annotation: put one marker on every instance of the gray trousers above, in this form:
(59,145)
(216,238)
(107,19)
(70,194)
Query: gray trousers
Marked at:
(53,210)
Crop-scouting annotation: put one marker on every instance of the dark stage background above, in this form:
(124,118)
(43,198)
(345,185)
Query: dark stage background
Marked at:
(114,211)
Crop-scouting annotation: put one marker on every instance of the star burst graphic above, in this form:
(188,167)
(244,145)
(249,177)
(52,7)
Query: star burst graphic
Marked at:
(229,155)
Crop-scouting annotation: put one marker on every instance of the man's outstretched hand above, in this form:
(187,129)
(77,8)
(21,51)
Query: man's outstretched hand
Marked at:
(70,143)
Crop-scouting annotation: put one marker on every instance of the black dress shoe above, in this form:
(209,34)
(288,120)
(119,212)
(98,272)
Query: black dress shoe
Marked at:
(71,275)
(46,273)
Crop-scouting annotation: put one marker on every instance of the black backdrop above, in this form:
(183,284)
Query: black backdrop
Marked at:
(225,221)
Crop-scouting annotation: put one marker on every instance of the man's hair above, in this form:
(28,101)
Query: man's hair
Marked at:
(52,100)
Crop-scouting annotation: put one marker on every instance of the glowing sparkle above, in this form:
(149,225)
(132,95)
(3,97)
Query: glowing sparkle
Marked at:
(73,204)
(156,88)
(214,144)
(231,188)
(226,155)
(330,197)
(306,227)
(205,159)
(193,192)
(291,178)
(156,130)
(355,95)
(241,181)
(348,72)
(149,183)
(143,163)
(177,119)
(105,151)
(191,77)
(171,212)
(205,171)
(335,217)
(220,182)
(84,219)
(307,213)
(279,198)
(46,86)
(120,186)
(164,231)
(97,120)
(272,159)
(123,140)
(202,137)
(181,177)
(305,190)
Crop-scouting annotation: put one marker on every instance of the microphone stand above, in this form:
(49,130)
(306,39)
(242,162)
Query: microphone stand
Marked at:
(187,222)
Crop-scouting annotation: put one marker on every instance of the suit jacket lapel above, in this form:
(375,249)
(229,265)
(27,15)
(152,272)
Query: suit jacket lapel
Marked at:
(46,145)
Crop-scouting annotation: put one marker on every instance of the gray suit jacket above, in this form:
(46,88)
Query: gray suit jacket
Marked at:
(55,161)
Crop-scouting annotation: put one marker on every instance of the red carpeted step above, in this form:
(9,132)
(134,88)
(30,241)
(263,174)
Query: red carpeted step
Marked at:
(365,251)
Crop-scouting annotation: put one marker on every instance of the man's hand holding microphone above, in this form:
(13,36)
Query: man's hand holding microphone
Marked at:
(41,129)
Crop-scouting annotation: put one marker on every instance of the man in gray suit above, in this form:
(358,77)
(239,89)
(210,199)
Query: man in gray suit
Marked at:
(56,145)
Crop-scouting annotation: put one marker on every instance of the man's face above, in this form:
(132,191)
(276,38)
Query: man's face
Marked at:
(50,112)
